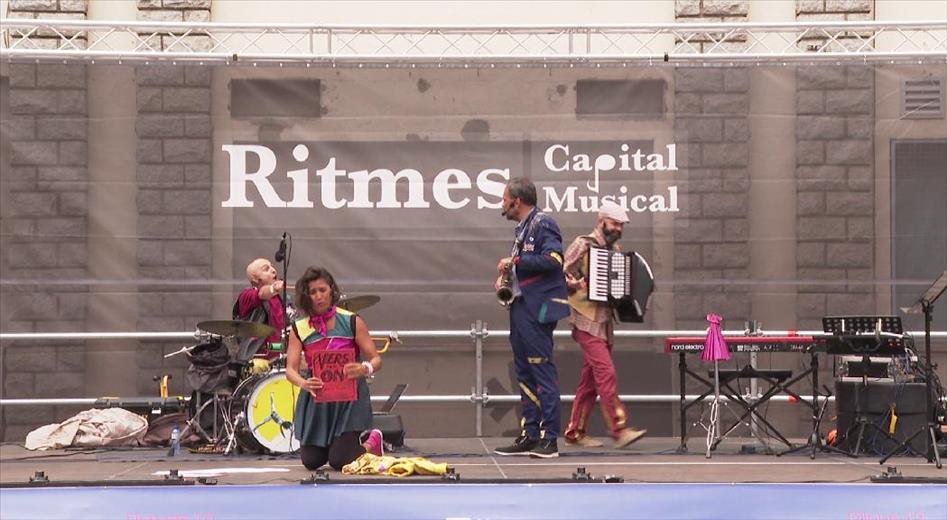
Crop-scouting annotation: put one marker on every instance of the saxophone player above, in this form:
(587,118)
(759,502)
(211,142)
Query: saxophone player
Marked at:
(537,300)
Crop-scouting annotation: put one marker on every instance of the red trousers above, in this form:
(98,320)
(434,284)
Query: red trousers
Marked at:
(597,379)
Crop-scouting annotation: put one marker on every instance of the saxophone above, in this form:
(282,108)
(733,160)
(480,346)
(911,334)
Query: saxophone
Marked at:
(505,292)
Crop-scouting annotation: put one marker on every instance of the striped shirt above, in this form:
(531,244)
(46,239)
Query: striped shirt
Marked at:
(603,326)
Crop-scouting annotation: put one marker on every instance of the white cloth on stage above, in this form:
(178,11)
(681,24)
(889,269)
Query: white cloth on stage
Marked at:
(91,428)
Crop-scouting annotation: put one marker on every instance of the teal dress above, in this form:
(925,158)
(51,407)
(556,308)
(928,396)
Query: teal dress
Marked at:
(318,424)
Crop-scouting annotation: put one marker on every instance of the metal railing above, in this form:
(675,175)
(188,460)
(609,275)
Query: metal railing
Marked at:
(481,45)
(478,333)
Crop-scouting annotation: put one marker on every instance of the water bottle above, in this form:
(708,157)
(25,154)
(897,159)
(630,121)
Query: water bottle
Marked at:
(175,441)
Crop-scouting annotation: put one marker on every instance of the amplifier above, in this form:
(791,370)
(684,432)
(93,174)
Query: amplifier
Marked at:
(873,402)
(855,366)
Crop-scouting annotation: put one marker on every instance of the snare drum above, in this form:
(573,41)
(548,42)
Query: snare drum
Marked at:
(262,408)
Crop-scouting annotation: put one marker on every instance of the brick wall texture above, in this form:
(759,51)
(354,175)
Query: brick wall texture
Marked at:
(710,238)
(712,131)
(174,205)
(177,11)
(47,129)
(50,10)
(43,249)
(834,180)
(174,192)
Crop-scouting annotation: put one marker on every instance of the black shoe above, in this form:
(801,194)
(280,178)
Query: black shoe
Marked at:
(545,449)
(522,445)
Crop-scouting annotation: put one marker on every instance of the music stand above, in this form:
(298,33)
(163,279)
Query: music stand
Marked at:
(864,335)
(926,305)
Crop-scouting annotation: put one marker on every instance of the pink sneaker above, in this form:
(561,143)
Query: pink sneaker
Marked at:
(375,443)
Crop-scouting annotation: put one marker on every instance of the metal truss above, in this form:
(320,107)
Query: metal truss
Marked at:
(530,46)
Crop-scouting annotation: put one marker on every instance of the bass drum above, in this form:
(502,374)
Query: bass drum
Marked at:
(262,409)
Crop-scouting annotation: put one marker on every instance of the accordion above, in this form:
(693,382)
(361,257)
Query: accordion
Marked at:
(623,280)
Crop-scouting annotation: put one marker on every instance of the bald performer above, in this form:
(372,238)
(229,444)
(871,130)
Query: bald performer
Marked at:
(262,303)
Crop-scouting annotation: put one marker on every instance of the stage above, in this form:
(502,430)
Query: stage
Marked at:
(648,480)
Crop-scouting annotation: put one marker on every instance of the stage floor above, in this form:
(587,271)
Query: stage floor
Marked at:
(651,460)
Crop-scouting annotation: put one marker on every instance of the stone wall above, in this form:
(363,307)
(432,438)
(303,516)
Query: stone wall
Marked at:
(174,205)
(703,11)
(43,249)
(177,11)
(834,10)
(174,10)
(713,11)
(712,131)
(51,10)
(174,195)
(711,233)
(710,241)
(835,181)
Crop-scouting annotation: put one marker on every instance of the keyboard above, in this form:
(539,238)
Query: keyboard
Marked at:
(742,344)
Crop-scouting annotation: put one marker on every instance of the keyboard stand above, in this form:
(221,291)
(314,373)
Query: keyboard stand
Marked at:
(683,372)
(750,408)
(776,380)
(814,443)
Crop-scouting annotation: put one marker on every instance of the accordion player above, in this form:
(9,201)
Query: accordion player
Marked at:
(623,280)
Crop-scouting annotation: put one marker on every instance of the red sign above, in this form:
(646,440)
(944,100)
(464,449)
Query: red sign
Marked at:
(328,365)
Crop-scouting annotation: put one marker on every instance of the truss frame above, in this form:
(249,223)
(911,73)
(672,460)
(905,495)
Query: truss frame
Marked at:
(56,40)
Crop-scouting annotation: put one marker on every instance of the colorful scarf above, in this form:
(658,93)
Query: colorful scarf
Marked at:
(318,321)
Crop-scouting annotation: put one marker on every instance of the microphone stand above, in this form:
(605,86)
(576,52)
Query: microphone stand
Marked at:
(282,256)
(926,304)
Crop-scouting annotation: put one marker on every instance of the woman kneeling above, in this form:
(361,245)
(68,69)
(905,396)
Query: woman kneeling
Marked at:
(340,354)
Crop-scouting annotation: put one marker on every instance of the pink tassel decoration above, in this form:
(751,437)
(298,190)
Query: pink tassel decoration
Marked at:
(715,347)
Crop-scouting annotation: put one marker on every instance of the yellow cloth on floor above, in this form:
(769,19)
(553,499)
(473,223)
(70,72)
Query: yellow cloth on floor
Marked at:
(370,464)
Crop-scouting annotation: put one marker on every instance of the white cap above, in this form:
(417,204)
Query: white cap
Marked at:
(612,210)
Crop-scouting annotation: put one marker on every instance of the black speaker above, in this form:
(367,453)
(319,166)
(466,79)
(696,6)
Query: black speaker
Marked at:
(872,402)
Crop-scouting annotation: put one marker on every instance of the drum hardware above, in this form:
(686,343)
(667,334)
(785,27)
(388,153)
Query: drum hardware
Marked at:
(163,382)
(262,410)
(358,303)
(204,337)
(218,402)
(291,315)
(239,421)
(391,338)
(275,417)
(258,366)
(201,337)
(182,350)
(237,328)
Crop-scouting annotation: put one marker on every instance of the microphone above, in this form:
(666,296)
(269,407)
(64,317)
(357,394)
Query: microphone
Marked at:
(281,252)
(506,210)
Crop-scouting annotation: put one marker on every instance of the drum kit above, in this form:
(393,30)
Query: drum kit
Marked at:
(235,405)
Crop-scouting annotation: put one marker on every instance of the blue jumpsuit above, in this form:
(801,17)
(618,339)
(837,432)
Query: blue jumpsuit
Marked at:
(541,302)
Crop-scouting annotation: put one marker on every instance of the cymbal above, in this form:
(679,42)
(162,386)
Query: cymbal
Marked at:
(240,329)
(358,303)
